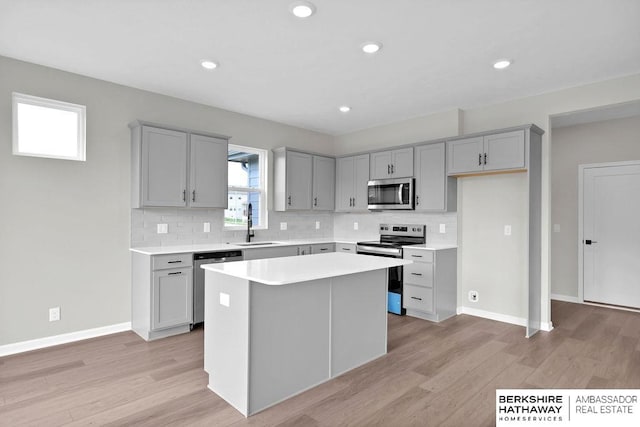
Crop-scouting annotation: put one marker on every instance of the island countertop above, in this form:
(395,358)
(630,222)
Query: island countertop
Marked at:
(294,269)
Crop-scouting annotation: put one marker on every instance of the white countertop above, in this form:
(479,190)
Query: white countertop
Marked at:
(287,270)
(211,247)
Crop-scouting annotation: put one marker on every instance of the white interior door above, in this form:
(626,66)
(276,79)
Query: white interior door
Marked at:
(611,234)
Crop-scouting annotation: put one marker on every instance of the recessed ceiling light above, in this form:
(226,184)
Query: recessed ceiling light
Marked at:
(302,9)
(371,47)
(344,109)
(209,65)
(501,64)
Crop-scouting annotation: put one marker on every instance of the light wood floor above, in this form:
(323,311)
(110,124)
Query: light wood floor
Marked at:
(434,374)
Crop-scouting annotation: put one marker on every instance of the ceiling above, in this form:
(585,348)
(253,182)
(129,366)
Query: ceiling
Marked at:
(437,55)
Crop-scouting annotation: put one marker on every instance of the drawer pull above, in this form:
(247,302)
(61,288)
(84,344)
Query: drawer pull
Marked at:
(346,249)
(419,299)
(174,262)
(417,256)
(417,274)
(177,272)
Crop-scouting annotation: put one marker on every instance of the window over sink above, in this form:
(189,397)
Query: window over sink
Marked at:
(247,170)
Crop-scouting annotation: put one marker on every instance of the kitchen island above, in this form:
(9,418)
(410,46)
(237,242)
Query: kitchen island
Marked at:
(276,327)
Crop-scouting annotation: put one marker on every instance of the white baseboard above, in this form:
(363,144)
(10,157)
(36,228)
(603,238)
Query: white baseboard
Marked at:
(520,321)
(565,298)
(23,346)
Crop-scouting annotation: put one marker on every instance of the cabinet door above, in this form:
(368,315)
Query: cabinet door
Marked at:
(172,298)
(324,183)
(345,175)
(164,167)
(504,151)
(402,163)
(208,177)
(361,178)
(381,165)
(304,250)
(464,155)
(431,177)
(298,181)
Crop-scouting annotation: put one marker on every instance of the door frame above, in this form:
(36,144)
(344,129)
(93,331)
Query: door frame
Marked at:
(581,170)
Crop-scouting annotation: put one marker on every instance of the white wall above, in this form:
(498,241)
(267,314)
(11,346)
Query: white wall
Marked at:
(600,142)
(64,225)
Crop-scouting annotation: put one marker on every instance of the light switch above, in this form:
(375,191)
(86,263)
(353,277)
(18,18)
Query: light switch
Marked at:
(507,230)
(207,227)
(317,225)
(355,225)
(224,299)
(283,226)
(163,228)
(443,228)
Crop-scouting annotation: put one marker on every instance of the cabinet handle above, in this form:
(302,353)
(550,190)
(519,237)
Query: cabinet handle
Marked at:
(417,200)
(315,201)
(184,195)
(174,262)
(479,159)
(417,256)
(419,299)
(193,196)
(177,272)
(323,249)
(289,200)
(388,169)
(391,169)
(485,158)
(346,249)
(417,274)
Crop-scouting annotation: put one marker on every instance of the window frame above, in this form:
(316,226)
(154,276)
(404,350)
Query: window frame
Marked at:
(80,110)
(263,156)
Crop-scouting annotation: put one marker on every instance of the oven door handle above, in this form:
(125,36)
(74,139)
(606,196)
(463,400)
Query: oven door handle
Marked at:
(372,250)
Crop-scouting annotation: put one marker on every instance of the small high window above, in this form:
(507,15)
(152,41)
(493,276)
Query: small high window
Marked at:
(247,186)
(48,128)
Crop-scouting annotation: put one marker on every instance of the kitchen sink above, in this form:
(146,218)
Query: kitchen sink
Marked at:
(254,243)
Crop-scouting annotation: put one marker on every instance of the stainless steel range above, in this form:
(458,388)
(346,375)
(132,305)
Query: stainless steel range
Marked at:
(392,238)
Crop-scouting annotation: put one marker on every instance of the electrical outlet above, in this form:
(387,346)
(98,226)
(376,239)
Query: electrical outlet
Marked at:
(473,296)
(507,230)
(54,314)
(163,228)
(355,225)
(283,226)
(317,225)
(207,227)
(443,228)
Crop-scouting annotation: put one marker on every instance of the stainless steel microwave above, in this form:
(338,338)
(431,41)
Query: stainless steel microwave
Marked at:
(394,193)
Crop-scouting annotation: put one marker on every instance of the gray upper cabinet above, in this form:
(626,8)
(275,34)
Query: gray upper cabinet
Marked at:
(392,164)
(324,183)
(177,168)
(292,180)
(163,179)
(352,174)
(495,152)
(208,177)
(435,191)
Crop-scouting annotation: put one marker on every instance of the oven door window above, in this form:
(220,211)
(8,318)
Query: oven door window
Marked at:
(389,194)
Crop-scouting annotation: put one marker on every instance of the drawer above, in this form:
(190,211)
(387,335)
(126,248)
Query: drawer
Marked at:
(421,255)
(321,249)
(349,248)
(161,262)
(418,298)
(418,273)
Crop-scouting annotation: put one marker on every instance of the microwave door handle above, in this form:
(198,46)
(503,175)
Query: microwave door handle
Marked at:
(400,193)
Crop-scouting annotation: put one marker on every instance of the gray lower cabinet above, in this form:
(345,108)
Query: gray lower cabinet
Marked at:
(276,252)
(161,294)
(429,284)
(349,248)
(322,248)
(435,191)
(180,168)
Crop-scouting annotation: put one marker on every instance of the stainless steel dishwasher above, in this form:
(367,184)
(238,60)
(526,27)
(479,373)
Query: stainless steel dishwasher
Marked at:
(200,259)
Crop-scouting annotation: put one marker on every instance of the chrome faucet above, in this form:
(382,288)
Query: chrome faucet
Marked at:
(249,223)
